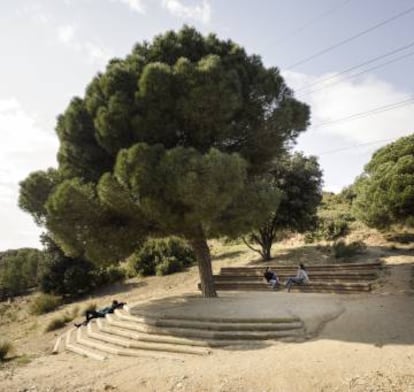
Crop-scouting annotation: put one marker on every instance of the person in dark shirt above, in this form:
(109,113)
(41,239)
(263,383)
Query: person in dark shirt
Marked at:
(91,314)
(271,277)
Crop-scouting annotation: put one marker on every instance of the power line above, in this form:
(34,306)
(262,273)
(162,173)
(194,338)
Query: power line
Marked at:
(352,38)
(354,67)
(355,145)
(377,110)
(310,22)
(355,75)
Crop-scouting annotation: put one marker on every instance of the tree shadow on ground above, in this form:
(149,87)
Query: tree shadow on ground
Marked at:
(227,255)
(402,238)
(311,254)
(119,288)
(324,254)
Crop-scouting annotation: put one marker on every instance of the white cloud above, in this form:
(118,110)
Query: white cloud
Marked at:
(200,12)
(25,148)
(338,99)
(35,12)
(135,5)
(97,54)
(345,147)
(93,52)
(66,33)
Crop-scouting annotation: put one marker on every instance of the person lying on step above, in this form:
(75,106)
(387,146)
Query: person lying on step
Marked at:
(91,314)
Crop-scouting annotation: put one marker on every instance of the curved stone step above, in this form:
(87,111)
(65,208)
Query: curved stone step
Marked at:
(119,330)
(72,346)
(203,333)
(138,344)
(218,326)
(127,333)
(109,348)
(135,315)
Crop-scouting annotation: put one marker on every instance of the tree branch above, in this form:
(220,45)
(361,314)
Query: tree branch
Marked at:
(251,247)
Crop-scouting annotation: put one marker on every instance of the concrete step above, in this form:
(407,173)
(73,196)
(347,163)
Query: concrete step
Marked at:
(318,267)
(72,345)
(136,313)
(151,338)
(109,348)
(311,287)
(176,340)
(261,325)
(248,276)
(127,342)
(203,333)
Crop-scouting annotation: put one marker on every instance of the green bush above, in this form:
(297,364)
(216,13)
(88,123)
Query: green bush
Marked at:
(162,257)
(169,265)
(103,276)
(341,249)
(45,303)
(19,270)
(5,348)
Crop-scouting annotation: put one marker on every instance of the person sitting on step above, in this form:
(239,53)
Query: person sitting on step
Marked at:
(271,278)
(300,278)
(91,314)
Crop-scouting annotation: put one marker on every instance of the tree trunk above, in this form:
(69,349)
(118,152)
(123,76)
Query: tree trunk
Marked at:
(267,236)
(202,252)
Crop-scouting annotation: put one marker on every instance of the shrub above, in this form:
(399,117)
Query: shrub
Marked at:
(5,348)
(102,276)
(59,322)
(341,249)
(66,276)
(162,256)
(45,303)
(19,270)
(169,265)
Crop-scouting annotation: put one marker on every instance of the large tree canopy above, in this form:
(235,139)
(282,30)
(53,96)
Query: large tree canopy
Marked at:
(385,190)
(172,139)
(299,179)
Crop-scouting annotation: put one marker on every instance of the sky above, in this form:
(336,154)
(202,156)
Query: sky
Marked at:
(51,49)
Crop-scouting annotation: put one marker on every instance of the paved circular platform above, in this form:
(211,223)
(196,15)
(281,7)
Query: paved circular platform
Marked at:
(312,309)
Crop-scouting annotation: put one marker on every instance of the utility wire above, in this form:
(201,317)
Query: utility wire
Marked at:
(355,75)
(377,110)
(354,146)
(354,67)
(310,22)
(352,38)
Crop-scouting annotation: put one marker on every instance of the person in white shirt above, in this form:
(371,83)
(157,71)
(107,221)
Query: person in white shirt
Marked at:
(300,278)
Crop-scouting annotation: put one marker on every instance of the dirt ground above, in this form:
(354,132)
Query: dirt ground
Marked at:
(357,342)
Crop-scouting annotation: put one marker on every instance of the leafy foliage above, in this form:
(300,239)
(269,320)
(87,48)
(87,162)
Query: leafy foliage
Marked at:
(385,190)
(172,139)
(45,303)
(19,270)
(69,276)
(299,180)
(342,249)
(334,218)
(162,257)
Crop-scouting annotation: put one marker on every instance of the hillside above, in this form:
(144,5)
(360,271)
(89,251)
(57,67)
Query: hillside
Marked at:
(368,346)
